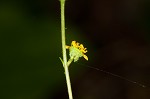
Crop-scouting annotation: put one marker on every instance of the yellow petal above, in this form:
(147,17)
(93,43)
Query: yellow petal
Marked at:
(73,43)
(85,57)
(67,47)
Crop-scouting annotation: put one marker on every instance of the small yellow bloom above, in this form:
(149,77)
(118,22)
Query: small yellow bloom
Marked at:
(77,50)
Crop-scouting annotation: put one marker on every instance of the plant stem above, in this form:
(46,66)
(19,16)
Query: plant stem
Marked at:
(69,62)
(62,5)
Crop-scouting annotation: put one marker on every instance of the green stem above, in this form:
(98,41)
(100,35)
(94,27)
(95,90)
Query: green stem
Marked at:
(62,4)
(69,62)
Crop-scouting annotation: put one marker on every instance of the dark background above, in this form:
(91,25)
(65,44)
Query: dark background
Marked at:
(115,32)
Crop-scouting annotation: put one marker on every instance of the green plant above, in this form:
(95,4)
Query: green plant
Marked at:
(76,50)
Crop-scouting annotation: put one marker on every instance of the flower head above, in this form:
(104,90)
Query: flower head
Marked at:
(77,50)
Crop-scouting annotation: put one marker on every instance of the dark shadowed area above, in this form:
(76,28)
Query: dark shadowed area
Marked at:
(115,32)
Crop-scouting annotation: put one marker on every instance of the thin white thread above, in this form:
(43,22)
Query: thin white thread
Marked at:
(115,75)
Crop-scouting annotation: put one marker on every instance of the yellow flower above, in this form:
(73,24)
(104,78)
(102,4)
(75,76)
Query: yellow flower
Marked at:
(77,50)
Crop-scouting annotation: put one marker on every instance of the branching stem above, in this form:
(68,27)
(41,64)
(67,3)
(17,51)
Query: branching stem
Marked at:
(62,5)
